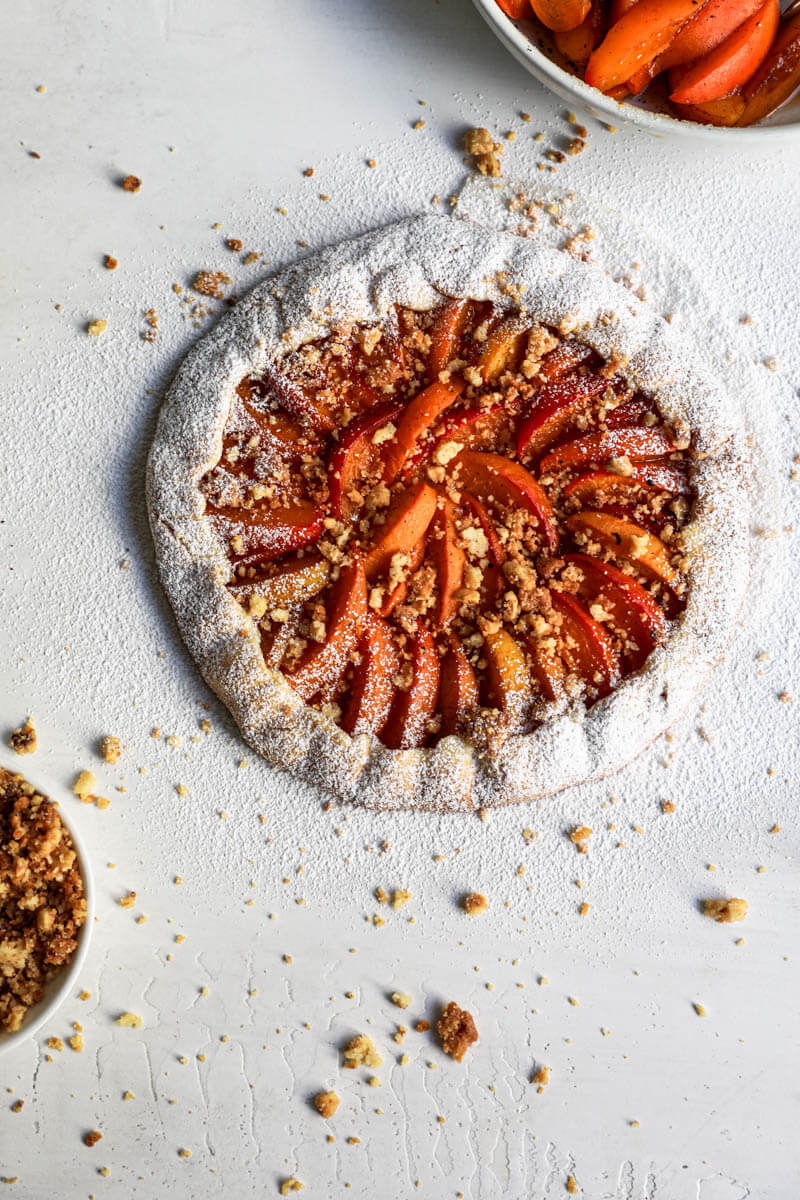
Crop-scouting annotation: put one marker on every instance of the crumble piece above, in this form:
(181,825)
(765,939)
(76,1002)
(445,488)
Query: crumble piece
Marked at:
(110,263)
(326,1103)
(541,1077)
(571,1185)
(291,1185)
(724,912)
(699,1008)
(361,1052)
(84,785)
(129,1020)
(111,749)
(95,328)
(184,1152)
(235,244)
(457,1030)
(42,902)
(92,1138)
(579,836)
(484,151)
(474,903)
(211,283)
(131,183)
(23,740)
(422,1026)
(401,999)
(400,897)
(17,1106)
(668,806)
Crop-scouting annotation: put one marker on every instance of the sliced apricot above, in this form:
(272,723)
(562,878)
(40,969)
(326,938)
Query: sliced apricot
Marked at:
(636,444)
(458,688)
(561,15)
(496,552)
(706,30)
(292,583)
(373,687)
(632,607)
(298,401)
(628,541)
(564,357)
(641,33)
(494,478)
(618,8)
(405,527)
(547,670)
(503,346)
(279,432)
(577,44)
(448,328)
(351,458)
(730,64)
(724,112)
(417,418)
(586,647)
(507,671)
(267,534)
(777,78)
(407,726)
(516,9)
(555,408)
(322,665)
(600,487)
(449,560)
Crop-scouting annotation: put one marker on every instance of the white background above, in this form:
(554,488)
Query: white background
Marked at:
(249,95)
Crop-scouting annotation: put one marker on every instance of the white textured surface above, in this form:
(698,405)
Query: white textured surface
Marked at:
(249,95)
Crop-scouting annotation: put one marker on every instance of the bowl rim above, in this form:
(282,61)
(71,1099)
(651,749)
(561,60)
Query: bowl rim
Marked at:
(40,1013)
(538,63)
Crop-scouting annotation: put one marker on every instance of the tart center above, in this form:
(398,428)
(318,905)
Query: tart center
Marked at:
(452,522)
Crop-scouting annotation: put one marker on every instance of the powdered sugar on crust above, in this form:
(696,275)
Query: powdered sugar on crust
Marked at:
(416,263)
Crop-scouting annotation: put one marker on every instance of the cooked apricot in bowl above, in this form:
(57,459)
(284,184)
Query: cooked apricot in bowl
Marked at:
(716,62)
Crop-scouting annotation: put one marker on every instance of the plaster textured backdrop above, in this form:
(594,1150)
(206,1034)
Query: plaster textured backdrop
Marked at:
(219,109)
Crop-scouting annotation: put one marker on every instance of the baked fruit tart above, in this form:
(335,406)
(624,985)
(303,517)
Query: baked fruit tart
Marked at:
(449,519)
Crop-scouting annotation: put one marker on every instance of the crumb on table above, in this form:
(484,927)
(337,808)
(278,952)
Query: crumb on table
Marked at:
(360,1051)
(326,1103)
(111,749)
(474,903)
(23,740)
(291,1185)
(726,911)
(211,283)
(131,183)
(457,1030)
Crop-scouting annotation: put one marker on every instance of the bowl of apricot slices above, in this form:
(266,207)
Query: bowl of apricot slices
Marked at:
(705,67)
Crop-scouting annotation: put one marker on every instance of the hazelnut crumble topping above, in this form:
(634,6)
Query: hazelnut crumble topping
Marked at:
(725,911)
(326,1103)
(361,1052)
(457,1030)
(131,183)
(474,903)
(42,904)
(23,740)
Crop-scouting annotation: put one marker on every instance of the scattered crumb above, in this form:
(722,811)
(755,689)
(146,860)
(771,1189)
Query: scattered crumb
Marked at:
(131,183)
(111,749)
(92,1137)
(667,806)
(23,740)
(457,1030)
(474,903)
(699,1009)
(95,328)
(400,897)
(724,912)
(211,283)
(579,836)
(583,910)
(422,1026)
(129,1020)
(484,151)
(291,1185)
(401,999)
(541,1077)
(361,1052)
(184,1153)
(571,1185)
(326,1103)
(17,1106)
(110,263)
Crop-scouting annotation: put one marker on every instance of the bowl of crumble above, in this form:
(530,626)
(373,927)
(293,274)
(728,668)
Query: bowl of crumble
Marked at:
(644,101)
(46,906)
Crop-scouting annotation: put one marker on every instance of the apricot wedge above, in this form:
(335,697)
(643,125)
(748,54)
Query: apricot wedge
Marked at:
(292,583)
(640,34)
(725,112)
(458,688)
(496,552)
(715,21)
(279,432)
(577,44)
(555,408)
(586,647)
(322,665)
(508,673)
(265,535)
(351,456)
(633,608)
(602,487)
(730,64)
(499,480)
(777,78)
(411,711)
(502,346)
(405,526)
(547,670)
(449,560)
(636,444)
(449,327)
(417,419)
(628,541)
(565,357)
(561,15)
(516,9)
(298,401)
(373,688)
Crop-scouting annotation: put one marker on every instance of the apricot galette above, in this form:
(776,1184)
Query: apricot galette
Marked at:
(449,519)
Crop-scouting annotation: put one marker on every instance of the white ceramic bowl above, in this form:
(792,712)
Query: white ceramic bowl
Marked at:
(65,980)
(519,37)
